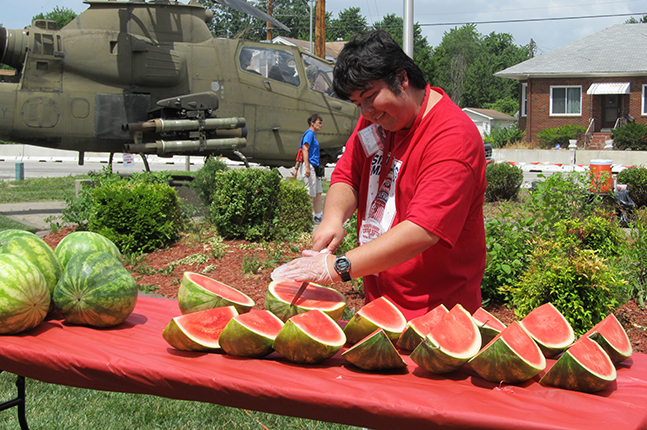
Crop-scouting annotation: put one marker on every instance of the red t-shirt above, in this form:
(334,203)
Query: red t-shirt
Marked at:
(437,181)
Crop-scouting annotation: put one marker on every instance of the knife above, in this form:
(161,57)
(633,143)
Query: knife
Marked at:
(300,291)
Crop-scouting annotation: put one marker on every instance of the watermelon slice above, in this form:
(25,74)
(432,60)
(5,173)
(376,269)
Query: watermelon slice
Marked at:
(198,331)
(251,334)
(280,294)
(548,327)
(450,344)
(380,313)
(198,292)
(488,325)
(310,337)
(583,367)
(375,352)
(611,336)
(511,357)
(420,327)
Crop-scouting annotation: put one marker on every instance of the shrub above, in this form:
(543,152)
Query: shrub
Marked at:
(204,181)
(630,136)
(549,137)
(503,182)
(596,233)
(576,281)
(502,136)
(294,210)
(636,180)
(636,259)
(138,216)
(506,105)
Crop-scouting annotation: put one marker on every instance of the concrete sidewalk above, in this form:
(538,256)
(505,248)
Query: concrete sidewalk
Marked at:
(32,214)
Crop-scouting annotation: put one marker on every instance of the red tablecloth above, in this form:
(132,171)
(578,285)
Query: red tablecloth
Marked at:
(134,358)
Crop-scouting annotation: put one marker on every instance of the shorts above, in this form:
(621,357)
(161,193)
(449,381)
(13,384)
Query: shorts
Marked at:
(312,183)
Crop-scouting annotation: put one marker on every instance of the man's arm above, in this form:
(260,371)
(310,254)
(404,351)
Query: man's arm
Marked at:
(306,160)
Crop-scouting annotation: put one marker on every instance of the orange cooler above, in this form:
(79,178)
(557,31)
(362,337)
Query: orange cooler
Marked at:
(601,180)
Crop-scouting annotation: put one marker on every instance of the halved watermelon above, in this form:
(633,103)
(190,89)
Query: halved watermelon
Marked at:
(611,336)
(375,352)
(420,327)
(511,357)
(310,337)
(548,327)
(380,313)
(251,334)
(198,292)
(198,331)
(280,294)
(583,367)
(488,325)
(450,344)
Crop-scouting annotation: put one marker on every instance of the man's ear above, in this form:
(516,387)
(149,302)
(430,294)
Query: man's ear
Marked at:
(403,79)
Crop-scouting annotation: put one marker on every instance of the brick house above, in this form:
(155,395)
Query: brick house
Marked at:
(596,82)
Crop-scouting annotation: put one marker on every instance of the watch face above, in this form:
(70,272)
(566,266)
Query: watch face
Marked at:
(342,264)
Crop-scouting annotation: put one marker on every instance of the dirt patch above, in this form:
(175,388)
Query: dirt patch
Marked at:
(160,272)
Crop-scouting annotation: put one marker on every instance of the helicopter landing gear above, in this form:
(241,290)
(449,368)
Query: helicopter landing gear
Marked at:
(242,157)
(145,160)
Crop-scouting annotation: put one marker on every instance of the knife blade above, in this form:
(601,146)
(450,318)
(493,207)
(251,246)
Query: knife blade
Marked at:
(300,291)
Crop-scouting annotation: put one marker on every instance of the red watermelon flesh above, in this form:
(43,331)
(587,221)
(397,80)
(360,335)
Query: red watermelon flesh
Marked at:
(198,331)
(198,292)
(488,324)
(319,328)
(379,313)
(250,334)
(611,336)
(548,327)
(280,294)
(420,327)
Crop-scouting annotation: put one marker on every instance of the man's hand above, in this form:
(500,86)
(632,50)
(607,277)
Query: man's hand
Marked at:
(328,235)
(311,267)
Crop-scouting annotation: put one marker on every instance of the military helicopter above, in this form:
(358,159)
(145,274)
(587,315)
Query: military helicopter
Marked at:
(149,78)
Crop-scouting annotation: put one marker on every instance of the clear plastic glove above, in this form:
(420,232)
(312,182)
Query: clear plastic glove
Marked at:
(311,267)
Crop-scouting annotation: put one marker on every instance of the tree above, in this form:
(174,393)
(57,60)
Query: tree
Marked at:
(60,15)
(349,22)
(633,20)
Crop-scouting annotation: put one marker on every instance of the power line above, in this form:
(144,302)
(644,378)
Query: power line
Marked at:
(505,21)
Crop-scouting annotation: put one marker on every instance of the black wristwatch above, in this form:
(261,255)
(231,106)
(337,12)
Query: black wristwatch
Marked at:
(342,266)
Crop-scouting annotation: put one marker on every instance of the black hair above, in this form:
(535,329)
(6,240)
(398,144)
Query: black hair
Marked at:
(371,56)
(314,117)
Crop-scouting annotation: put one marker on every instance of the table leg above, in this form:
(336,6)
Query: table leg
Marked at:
(18,401)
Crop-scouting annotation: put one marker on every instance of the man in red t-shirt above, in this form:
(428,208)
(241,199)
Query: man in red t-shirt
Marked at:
(414,168)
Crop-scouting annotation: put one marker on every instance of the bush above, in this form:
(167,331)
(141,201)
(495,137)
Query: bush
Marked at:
(549,137)
(636,259)
(294,210)
(502,136)
(596,233)
(503,182)
(576,281)
(636,180)
(506,105)
(137,215)
(630,136)
(204,180)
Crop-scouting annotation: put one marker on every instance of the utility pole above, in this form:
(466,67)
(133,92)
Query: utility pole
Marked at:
(532,47)
(320,29)
(407,30)
(270,9)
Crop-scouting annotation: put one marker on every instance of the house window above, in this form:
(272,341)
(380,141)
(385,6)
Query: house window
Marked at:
(644,103)
(524,99)
(566,100)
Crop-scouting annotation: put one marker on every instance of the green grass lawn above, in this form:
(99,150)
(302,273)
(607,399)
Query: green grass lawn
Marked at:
(52,407)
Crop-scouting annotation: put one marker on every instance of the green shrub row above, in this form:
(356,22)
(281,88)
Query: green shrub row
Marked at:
(553,136)
(630,136)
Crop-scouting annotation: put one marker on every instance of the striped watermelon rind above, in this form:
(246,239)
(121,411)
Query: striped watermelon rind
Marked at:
(499,361)
(375,353)
(574,370)
(489,325)
(24,297)
(198,331)
(419,327)
(379,313)
(301,338)
(612,337)
(251,334)
(95,290)
(37,251)
(81,242)
(548,327)
(198,292)
(5,235)
(280,294)
(438,353)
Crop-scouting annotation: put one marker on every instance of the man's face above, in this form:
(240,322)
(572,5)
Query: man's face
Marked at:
(382,106)
(317,125)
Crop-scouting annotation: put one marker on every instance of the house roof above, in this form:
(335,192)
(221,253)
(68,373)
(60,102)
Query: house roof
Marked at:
(489,113)
(332,48)
(620,50)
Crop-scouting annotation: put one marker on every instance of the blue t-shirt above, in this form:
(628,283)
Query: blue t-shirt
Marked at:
(313,151)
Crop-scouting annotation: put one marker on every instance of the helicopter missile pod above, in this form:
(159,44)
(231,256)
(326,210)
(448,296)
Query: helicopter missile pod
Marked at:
(149,78)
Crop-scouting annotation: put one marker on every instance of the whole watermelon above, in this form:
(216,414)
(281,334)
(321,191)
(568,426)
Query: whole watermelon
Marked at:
(5,235)
(38,252)
(80,242)
(24,297)
(95,290)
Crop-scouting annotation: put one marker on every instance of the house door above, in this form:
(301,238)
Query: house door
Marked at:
(610,110)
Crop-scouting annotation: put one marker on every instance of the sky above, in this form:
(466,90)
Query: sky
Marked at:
(549,30)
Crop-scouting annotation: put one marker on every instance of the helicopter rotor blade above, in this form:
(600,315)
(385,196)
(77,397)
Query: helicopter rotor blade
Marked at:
(247,8)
